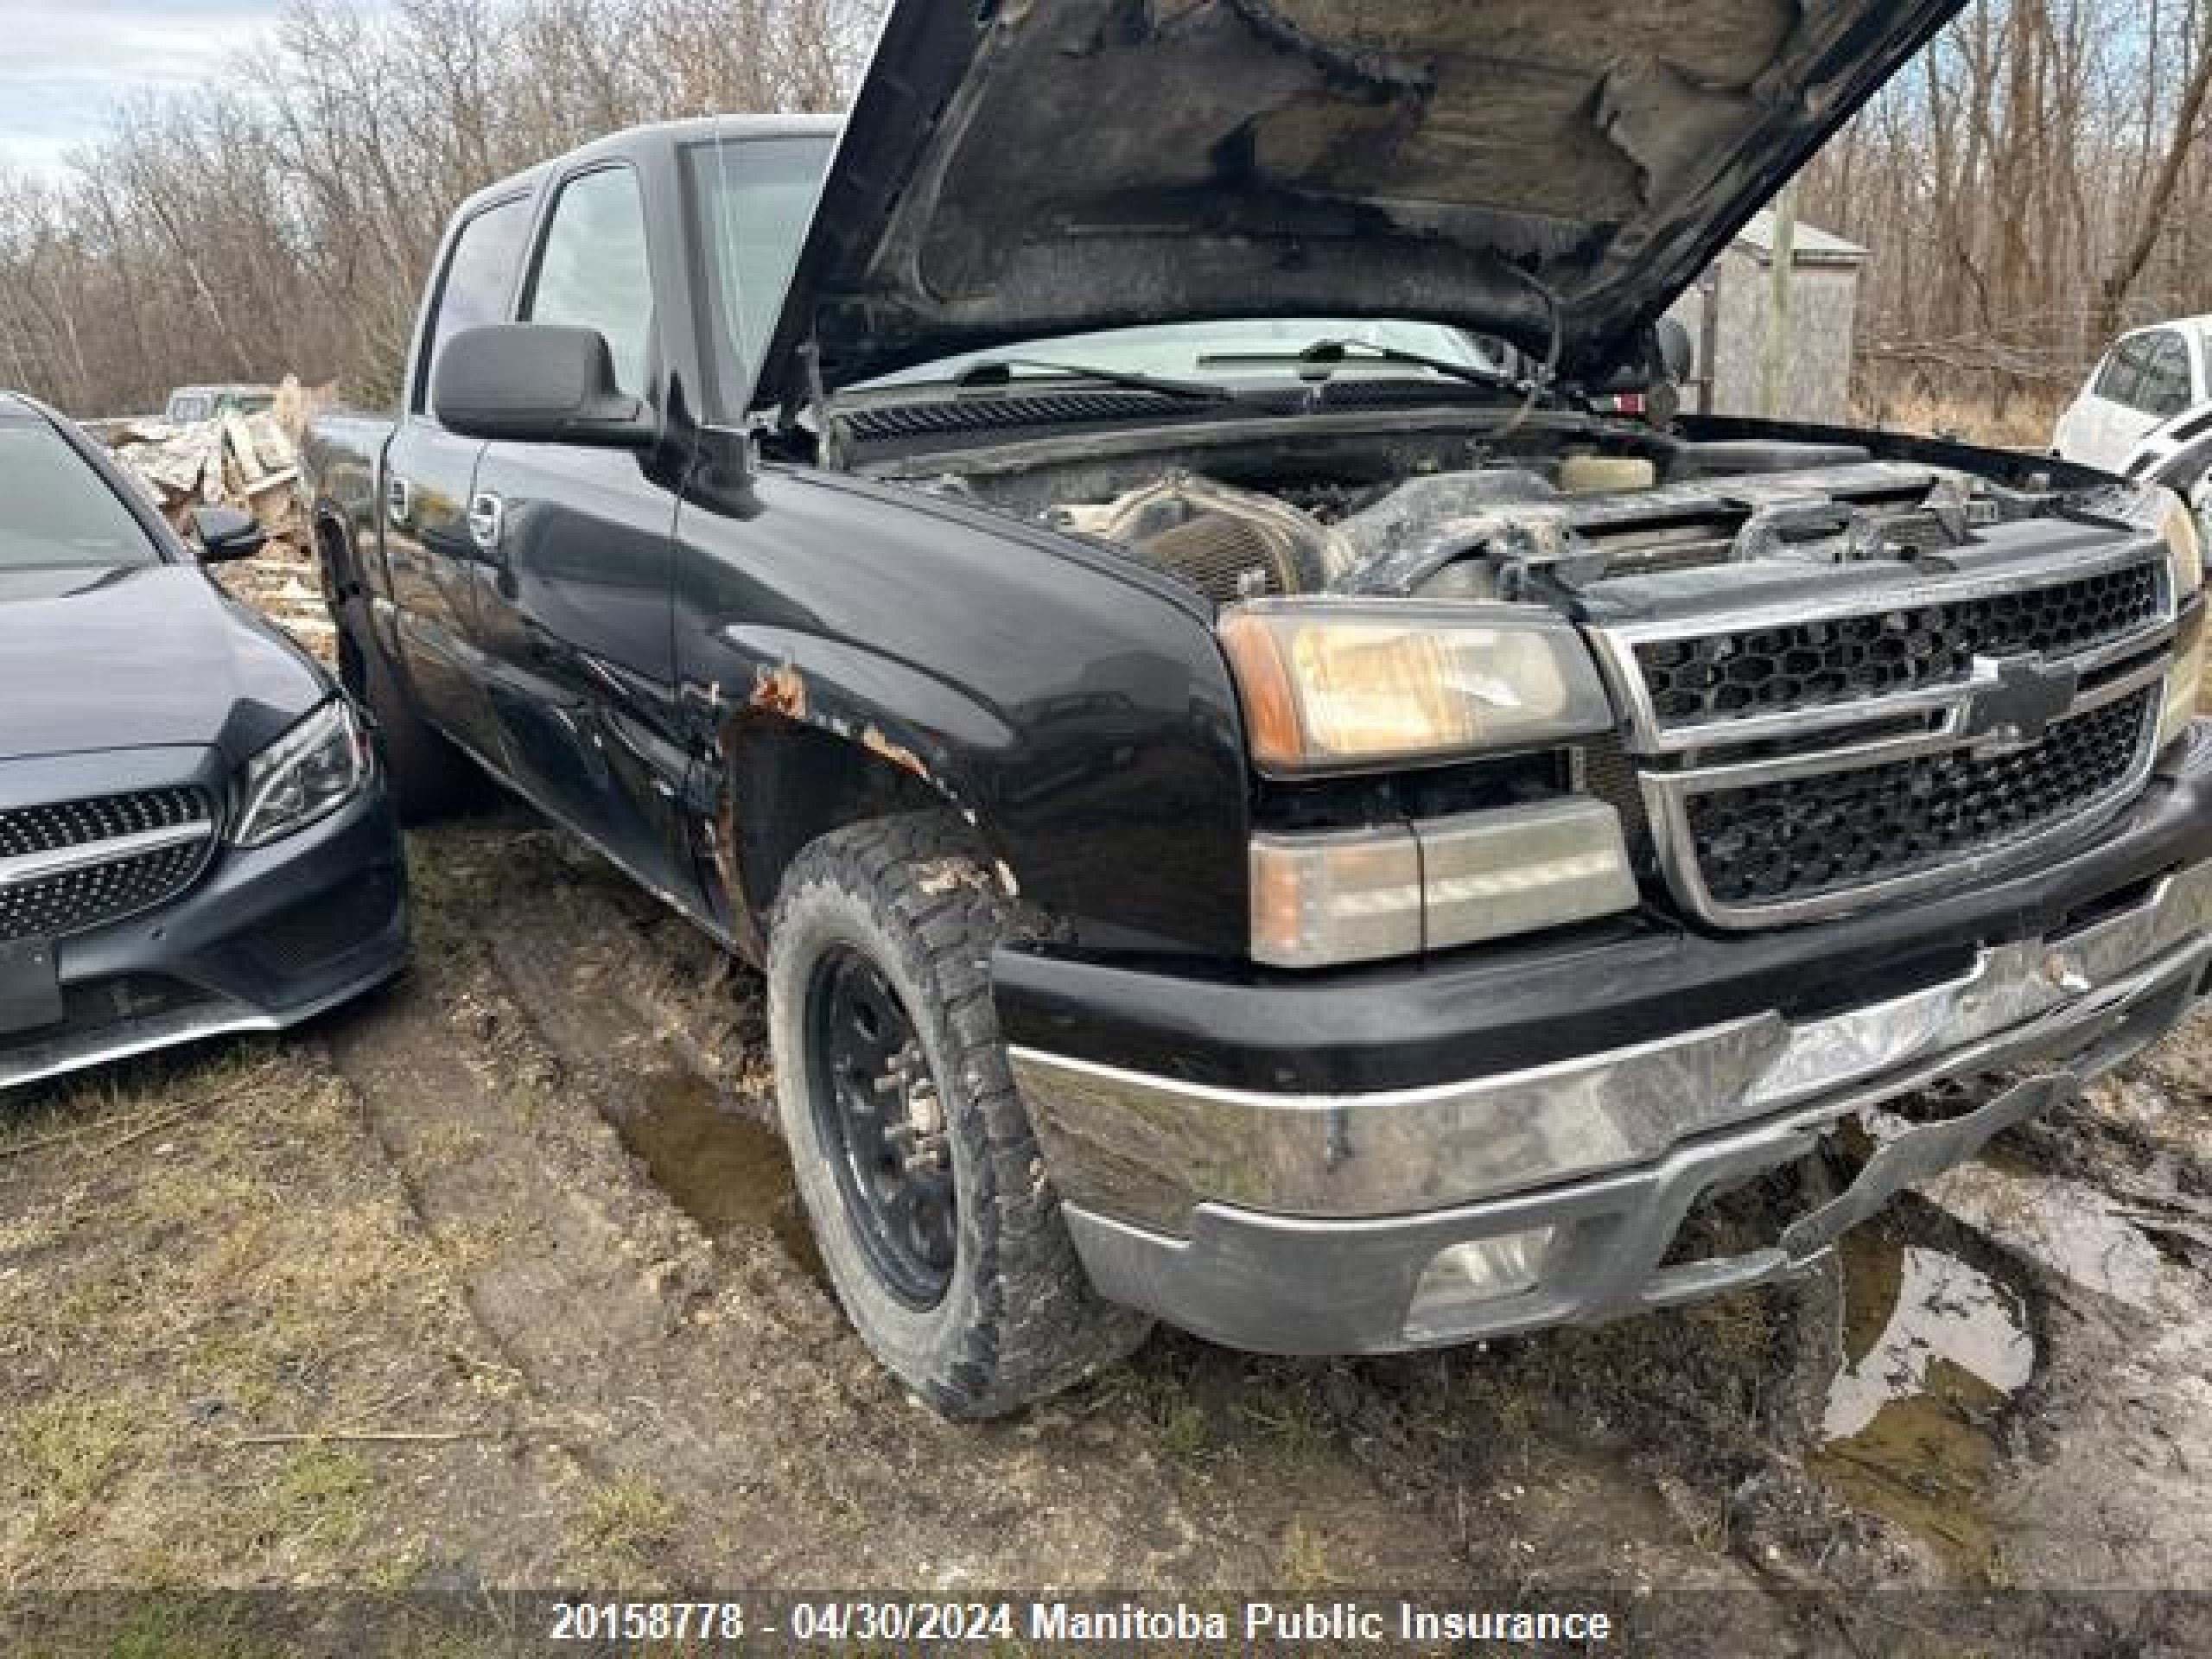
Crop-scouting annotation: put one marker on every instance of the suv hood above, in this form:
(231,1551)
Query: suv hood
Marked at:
(1019,169)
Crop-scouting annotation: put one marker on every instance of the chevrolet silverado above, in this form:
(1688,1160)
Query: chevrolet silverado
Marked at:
(1114,573)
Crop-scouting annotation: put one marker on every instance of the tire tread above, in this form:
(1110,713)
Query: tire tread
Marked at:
(1039,1325)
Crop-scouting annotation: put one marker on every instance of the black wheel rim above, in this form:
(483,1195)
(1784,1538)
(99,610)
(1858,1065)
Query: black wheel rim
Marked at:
(881,1119)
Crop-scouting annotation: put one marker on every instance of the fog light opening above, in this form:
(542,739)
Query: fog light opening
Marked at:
(1481,1270)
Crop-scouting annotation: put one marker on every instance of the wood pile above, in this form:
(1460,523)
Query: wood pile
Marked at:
(248,461)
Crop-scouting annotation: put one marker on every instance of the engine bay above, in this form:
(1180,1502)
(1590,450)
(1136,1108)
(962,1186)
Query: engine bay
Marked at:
(1569,512)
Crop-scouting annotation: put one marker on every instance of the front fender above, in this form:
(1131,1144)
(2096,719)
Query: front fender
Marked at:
(920,723)
(811,744)
(1082,725)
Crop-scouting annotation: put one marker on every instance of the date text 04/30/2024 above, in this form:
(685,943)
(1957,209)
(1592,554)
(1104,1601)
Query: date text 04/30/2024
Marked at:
(869,1620)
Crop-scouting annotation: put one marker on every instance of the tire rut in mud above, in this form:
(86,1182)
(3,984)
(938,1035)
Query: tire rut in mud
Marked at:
(549,1006)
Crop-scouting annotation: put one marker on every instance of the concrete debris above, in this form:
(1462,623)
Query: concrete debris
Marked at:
(244,460)
(247,461)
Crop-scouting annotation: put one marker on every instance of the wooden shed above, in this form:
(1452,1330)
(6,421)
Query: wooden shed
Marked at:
(1725,313)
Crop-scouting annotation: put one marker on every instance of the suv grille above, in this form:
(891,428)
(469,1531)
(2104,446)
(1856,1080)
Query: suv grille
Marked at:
(1812,836)
(69,865)
(1766,671)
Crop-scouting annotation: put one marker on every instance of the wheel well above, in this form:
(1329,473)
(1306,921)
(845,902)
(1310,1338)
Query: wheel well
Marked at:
(334,548)
(786,786)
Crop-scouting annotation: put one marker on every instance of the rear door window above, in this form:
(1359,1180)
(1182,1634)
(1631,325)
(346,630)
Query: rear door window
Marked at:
(479,277)
(2122,374)
(2164,390)
(594,271)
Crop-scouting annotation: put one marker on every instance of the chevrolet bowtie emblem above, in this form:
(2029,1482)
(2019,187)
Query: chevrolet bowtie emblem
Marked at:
(2018,706)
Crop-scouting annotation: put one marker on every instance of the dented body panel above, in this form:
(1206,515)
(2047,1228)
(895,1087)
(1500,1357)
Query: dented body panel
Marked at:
(1077,714)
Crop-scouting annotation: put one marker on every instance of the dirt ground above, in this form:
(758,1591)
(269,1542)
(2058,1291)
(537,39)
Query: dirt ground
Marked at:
(491,1287)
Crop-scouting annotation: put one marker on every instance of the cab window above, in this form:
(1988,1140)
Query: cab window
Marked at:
(593,272)
(2122,374)
(2164,389)
(480,276)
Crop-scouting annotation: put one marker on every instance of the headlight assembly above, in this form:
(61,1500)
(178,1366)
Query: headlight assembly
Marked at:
(1347,686)
(307,774)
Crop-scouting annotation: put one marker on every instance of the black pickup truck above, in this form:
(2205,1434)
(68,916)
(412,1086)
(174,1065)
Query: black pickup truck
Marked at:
(1260,806)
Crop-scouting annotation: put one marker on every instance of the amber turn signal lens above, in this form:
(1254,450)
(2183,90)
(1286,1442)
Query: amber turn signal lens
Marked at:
(1270,707)
(1348,896)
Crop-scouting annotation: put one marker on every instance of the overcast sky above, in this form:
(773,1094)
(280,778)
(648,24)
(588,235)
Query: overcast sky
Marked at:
(65,65)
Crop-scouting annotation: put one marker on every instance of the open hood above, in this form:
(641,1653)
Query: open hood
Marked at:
(1023,168)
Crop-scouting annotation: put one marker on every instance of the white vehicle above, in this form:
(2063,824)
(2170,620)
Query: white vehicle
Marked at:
(2145,380)
(2178,454)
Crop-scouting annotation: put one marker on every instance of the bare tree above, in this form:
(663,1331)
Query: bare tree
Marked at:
(2038,183)
(287,227)
(2038,180)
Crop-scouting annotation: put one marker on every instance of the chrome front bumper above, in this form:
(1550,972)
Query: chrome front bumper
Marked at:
(1305,1223)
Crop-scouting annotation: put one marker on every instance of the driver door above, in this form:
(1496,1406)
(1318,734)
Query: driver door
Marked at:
(573,595)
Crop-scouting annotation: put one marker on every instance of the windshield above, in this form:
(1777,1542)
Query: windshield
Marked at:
(56,512)
(756,196)
(1263,347)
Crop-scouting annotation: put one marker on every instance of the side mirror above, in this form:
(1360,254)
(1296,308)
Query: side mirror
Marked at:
(225,533)
(536,382)
(1677,352)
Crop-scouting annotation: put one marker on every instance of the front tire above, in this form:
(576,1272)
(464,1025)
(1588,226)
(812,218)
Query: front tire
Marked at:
(911,1148)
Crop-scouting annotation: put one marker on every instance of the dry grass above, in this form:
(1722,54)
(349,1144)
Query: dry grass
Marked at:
(253,1268)
(2025,421)
(622,1524)
(64,1452)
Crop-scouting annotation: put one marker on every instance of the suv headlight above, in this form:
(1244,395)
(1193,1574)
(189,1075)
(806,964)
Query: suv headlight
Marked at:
(1350,686)
(309,772)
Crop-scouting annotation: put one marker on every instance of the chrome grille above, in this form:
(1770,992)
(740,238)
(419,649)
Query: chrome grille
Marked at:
(1802,764)
(66,867)
(55,824)
(1805,836)
(1717,676)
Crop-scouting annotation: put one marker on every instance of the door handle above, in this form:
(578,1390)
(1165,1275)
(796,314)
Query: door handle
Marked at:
(487,522)
(398,499)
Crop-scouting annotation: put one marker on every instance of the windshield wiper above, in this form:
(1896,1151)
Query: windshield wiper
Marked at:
(1321,359)
(1000,372)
